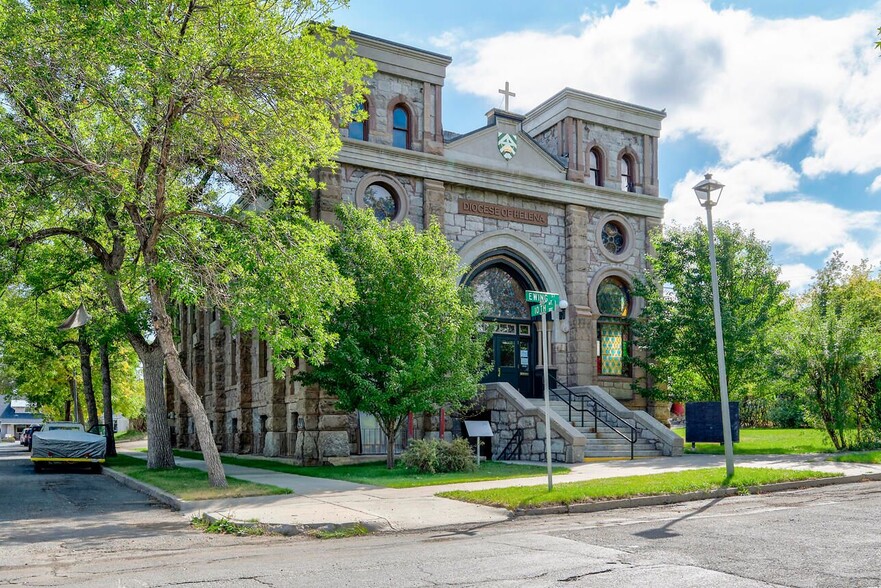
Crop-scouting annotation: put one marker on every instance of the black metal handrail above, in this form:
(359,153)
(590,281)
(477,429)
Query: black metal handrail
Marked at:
(509,451)
(632,438)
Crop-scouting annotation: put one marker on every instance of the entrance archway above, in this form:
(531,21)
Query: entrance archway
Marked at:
(500,280)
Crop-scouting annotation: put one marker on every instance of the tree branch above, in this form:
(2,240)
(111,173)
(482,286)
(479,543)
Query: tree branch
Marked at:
(98,250)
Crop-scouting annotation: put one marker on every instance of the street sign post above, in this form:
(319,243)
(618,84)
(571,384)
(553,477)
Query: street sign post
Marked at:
(546,302)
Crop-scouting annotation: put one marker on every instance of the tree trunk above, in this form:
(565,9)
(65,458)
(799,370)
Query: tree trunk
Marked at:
(108,400)
(159,455)
(165,336)
(67,410)
(74,394)
(88,388)
(391,428)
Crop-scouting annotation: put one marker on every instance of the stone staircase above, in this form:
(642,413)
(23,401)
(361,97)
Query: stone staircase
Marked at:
(602,440)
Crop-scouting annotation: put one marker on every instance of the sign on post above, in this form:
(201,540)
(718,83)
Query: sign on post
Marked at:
(546,302)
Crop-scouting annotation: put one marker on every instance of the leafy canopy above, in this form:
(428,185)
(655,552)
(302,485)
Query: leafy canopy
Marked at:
(676,325)
(410,343)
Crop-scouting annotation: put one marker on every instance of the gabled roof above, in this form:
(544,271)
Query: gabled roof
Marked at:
(481,147)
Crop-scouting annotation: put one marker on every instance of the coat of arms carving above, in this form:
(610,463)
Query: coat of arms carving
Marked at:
(507,145)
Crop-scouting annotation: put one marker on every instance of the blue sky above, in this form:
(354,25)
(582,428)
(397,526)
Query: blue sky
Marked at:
(780,99)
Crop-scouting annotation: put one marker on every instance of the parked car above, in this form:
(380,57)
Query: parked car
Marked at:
(30,438)
(64,442)
(23,438)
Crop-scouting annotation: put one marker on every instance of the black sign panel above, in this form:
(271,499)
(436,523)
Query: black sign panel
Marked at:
(703,422)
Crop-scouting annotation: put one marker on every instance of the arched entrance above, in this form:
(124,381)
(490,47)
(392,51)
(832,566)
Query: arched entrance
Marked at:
(500,280)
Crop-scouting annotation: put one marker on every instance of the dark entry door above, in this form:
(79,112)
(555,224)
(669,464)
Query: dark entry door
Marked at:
(506,360)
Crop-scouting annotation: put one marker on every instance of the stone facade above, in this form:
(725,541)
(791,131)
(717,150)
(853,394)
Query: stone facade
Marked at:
(254,411)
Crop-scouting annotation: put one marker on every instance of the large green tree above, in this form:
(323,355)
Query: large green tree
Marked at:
(830,352)
(129,129)
(676,326)
(411,342)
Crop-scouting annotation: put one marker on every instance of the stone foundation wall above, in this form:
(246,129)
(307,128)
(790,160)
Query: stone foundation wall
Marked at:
(512,412)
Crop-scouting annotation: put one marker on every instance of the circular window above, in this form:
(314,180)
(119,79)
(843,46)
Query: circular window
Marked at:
(613,238)
(382,201)
(613,298)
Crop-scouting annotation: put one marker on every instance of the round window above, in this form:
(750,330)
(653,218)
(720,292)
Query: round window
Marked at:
(613,298)
(613,238)
(382,201)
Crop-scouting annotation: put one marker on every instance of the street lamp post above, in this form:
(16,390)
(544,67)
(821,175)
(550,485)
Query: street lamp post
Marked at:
(708,192)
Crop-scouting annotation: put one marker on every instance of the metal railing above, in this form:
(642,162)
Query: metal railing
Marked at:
(582,403)
(513,447)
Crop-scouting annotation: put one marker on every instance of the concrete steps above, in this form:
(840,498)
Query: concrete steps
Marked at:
(602,440)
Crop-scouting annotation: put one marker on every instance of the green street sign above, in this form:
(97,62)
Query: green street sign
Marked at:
(534,296)
(543,308)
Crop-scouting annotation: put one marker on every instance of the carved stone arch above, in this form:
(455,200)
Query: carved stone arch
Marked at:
(508,240)
(613,272)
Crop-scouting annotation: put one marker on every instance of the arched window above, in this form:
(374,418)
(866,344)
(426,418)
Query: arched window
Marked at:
(627,169)
(401,127)
(359,129)
(613,333)
(596,174)
(500,294)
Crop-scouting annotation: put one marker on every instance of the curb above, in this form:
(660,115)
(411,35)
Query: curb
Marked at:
(292,530)
(586,507)
(162,496)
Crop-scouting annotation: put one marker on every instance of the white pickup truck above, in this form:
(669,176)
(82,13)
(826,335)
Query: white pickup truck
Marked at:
(65,442)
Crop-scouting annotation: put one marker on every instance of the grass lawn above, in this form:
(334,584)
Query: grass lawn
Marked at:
(376,474)
(630,486)
(131,435)
(862,457)
(188,483)
(770,442)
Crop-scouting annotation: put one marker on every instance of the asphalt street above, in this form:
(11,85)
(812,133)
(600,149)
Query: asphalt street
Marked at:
(80,529)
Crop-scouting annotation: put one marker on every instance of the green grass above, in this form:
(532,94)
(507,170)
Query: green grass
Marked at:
(224,526)
(188,483)
(131,435)
(356,530)
(862,457)
(770,442)
(376,474)
(630,486)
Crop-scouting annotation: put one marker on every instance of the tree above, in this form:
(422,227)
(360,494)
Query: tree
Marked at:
(832,352)
(676,325)
(410,343)
(131,127)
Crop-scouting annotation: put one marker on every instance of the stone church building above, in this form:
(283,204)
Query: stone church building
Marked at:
(559,199)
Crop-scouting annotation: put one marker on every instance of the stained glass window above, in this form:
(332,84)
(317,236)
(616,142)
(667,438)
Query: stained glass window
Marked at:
(381,200)
(613,301)
(500,294)
(613,238)
(613,298)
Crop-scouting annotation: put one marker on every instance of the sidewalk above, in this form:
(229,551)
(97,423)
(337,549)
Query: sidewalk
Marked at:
(325,503)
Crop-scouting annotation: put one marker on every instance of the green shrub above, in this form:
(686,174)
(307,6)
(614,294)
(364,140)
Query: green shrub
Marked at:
(421,454)
(433,456)
(456,456)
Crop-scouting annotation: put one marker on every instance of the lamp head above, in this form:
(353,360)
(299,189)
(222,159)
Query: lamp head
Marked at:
(706,191)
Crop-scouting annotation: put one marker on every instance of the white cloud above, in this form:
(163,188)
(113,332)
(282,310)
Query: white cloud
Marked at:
(802,226)
(876,185)
(799,276)
(745,84)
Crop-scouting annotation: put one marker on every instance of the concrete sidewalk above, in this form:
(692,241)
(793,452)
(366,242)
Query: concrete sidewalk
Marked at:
(325,503)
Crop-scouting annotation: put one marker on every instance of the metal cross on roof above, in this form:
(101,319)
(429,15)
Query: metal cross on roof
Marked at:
(508,94)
